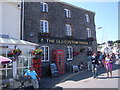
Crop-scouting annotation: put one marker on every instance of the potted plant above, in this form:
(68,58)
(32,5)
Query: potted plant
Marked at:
(44,34)
(69,37)
(90,39)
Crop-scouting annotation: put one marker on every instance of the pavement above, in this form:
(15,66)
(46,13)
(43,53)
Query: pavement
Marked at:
(85,80)
(74,79)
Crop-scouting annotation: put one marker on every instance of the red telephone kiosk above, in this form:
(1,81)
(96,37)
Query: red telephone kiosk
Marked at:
(59,58)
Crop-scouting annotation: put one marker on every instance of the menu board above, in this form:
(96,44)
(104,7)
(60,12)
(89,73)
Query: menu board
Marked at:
(54,70)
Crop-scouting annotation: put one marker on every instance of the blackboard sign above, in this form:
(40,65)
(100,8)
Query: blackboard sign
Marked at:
(54,70)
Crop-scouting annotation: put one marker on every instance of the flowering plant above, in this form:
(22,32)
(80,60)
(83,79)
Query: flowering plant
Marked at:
(37,52)
(75,53)
(15,52)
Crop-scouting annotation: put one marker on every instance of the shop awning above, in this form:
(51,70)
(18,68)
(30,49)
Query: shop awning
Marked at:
(6,40)
(4,60)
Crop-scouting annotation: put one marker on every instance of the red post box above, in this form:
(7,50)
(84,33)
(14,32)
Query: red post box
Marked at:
(59,58)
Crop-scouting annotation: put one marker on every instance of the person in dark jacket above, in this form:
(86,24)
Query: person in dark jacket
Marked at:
(95,63)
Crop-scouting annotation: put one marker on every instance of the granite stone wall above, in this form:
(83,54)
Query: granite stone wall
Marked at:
(57,20)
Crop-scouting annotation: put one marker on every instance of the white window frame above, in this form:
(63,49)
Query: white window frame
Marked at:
(44,47)
(89,48)
(68,30)
(87,18)
(70,52)
(89,32)
(44,26)
(44,7)
(67,13)
(15,65)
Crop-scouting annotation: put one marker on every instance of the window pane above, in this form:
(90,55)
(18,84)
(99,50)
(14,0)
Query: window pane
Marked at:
(68,30)
(65,13)
(9,73)
(41,26)
(25,62)
(43,53)
(41,7)
(46,7)
(46,52)
(46,26)
(69,53)
(87,17)
(69,14)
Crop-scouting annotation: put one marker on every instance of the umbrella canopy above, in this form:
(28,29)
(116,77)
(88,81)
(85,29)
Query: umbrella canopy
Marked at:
(4,60)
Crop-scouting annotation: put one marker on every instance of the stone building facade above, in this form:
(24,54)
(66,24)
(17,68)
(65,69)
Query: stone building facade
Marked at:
(59,25)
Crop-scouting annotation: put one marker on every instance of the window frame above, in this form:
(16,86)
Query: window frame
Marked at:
(45,28)
(87,18)
(43,60)
(89,32)
(70,52)
(67,13)
(44,7)
(68,29)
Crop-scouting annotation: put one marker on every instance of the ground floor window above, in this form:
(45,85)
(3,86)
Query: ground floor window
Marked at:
(17,66)
(69,53)
(22,64)
(6,71)
(45,56)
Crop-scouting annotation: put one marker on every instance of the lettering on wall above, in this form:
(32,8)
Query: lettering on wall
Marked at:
(63,41)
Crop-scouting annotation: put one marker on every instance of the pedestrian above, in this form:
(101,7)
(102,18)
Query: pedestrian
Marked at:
(95,64)
(113,57)
(82,66)
(108,61)
(34,77)
(89,62)
(103,62)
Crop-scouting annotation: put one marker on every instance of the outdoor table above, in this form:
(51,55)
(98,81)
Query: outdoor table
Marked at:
(22,81)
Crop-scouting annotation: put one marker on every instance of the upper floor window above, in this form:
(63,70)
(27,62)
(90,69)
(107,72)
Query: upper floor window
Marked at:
(67,13)
(44,27)
(89,32)
(68,30)
(69,53)
(87,18)
(45,53)
(44,7)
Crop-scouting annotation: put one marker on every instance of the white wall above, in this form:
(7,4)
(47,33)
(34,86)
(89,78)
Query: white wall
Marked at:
(11,19)
(0,17)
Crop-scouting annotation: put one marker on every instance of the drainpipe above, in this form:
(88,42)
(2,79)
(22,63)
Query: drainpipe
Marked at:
(22,36)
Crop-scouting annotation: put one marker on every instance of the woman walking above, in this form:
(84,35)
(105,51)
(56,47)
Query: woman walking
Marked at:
(108,62)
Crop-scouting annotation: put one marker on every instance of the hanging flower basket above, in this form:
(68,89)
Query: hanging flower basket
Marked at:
(90,39)
(15,53)
(44,34)
(37,53)
(75,53)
